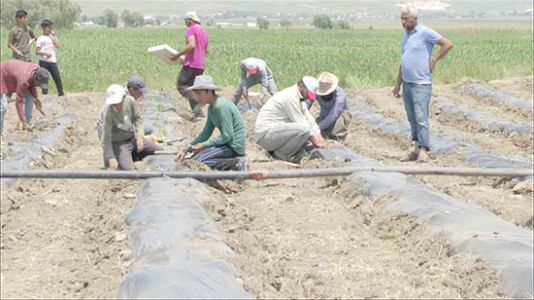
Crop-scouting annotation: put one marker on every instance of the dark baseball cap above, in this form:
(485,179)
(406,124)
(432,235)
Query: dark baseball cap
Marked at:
(42,76)
(137,81)
(21,13)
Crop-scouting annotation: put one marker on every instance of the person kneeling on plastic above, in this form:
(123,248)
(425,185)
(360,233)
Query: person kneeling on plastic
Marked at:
(122,135)
(226,152)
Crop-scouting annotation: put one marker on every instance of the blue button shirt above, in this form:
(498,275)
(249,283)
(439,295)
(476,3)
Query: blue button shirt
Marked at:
(417,46)
(331,109)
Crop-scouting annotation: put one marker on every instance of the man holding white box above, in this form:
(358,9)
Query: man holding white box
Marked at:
(196,39)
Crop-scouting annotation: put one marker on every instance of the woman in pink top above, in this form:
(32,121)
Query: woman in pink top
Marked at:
(196,47)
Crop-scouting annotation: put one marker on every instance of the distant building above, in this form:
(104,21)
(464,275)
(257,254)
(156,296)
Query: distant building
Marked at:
(87,23)
(229,25)
(426,4)
(150,20)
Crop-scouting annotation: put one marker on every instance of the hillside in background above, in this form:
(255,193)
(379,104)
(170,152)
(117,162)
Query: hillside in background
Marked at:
(378,9)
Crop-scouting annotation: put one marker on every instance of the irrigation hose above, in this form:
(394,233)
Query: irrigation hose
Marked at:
(264,174)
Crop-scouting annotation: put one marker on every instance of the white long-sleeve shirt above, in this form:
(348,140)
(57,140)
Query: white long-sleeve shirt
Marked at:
(284,107)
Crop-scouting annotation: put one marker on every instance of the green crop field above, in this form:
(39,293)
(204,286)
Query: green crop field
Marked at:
(91,59)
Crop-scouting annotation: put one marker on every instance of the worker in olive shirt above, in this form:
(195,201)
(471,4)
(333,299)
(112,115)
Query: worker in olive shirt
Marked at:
(122,136)
(223,115)
(21,37)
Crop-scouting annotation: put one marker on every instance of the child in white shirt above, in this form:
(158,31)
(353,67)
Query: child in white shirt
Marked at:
(46,49)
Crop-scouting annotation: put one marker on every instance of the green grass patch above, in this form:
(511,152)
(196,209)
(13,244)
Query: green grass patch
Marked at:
(92,59)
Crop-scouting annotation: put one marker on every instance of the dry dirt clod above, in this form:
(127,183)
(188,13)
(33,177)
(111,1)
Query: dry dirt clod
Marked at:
(523,187)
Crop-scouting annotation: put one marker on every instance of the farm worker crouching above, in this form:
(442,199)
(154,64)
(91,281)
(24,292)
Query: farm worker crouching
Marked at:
(285,127)
(196,47)
(22,78)
(21,37)
(415,74)
(334,117)
(255,71)
(45,47)
(136,88)
(122,135)
(226,152)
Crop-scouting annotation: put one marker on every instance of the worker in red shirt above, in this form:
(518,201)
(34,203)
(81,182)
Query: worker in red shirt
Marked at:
(22,78)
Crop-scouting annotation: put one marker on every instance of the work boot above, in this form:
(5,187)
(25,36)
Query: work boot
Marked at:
(422,157)
(241,164)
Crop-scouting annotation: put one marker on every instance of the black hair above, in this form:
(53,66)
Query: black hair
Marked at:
(21,13)
(212,91)
(46,23)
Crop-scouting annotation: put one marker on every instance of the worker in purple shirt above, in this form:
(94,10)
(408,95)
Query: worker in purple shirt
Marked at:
(334,118)
(196,48)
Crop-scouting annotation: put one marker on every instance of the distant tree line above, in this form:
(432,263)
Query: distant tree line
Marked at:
(110,18)
(62,12)
(325,22)
(65,13)
(319,21)
(263,23)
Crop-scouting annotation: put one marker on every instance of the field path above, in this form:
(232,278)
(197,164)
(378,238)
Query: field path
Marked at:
(296,238)
(66,238)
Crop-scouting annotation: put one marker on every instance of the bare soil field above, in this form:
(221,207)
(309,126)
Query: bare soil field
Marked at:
(293,238)
(520,87)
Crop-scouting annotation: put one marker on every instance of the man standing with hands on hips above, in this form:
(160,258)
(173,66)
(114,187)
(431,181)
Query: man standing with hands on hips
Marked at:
(415,75)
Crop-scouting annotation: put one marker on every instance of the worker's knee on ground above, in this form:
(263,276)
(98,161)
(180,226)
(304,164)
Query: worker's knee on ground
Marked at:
(305,135)
(126,164)
(127,167)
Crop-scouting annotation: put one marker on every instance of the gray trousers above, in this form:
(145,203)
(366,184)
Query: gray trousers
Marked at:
(252,80)
(126,153)
(286,139)
(340,129)
(28,107)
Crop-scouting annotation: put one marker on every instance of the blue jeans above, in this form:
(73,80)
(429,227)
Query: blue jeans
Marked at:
(28,107)
(211,156)
(3,109)
(416,102)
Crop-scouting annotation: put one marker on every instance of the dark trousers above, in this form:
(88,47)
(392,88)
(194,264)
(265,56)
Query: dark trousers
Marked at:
(186,78)
(54,71)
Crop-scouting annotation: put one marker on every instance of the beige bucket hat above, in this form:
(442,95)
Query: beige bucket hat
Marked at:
(327,83)
(204,82)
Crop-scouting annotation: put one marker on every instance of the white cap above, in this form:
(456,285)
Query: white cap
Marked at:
(311,83)
(192,15)
(114,94)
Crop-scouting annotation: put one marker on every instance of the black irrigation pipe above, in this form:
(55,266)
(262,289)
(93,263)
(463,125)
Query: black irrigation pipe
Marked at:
(264,174)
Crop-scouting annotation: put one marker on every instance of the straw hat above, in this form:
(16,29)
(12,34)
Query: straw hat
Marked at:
(327,83)
(204,82)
